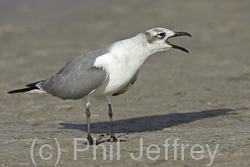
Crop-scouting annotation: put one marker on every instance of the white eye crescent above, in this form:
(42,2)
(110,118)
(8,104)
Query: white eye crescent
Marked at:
(161,35)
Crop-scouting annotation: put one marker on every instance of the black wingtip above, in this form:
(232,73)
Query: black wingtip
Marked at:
(20,90)
(30,86)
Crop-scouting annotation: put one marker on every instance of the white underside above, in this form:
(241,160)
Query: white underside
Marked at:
(36,91)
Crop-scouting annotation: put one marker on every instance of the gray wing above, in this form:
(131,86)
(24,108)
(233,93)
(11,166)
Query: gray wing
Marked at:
(128,86)
(77,78)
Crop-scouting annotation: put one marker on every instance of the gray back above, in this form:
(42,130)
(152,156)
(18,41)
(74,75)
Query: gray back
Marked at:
(77,78)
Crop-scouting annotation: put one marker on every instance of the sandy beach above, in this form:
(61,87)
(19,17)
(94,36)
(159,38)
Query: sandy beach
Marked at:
(189,110)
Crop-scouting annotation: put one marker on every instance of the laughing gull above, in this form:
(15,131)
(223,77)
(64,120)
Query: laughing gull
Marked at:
(106,72)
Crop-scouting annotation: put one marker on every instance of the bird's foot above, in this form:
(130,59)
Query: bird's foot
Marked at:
(113,139)
(90,140)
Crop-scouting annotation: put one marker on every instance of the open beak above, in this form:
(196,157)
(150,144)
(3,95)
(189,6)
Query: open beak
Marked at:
(177,34)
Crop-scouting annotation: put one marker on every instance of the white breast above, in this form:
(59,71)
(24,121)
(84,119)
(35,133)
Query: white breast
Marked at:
(121,63)
(119,73)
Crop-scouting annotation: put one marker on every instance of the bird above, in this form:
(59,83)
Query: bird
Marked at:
(106,72)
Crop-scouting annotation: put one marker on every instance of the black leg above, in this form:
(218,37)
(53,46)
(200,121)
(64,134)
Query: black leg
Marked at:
(112,136)
(90,139)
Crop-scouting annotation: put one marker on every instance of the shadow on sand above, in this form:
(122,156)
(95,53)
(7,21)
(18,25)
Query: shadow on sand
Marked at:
(148,123)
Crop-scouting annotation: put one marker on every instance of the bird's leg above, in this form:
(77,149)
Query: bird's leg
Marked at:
(90,139)
(112,136)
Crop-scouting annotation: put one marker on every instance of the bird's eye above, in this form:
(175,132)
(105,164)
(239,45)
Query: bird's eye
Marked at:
(161,35)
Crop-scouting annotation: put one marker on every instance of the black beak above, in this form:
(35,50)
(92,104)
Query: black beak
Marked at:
(177,34)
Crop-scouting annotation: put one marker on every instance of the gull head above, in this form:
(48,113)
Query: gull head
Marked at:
(157,39)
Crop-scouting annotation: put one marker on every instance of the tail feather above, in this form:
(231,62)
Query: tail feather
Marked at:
(31,86)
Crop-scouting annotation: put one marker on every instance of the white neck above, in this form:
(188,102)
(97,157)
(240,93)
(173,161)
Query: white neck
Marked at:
(133,51)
